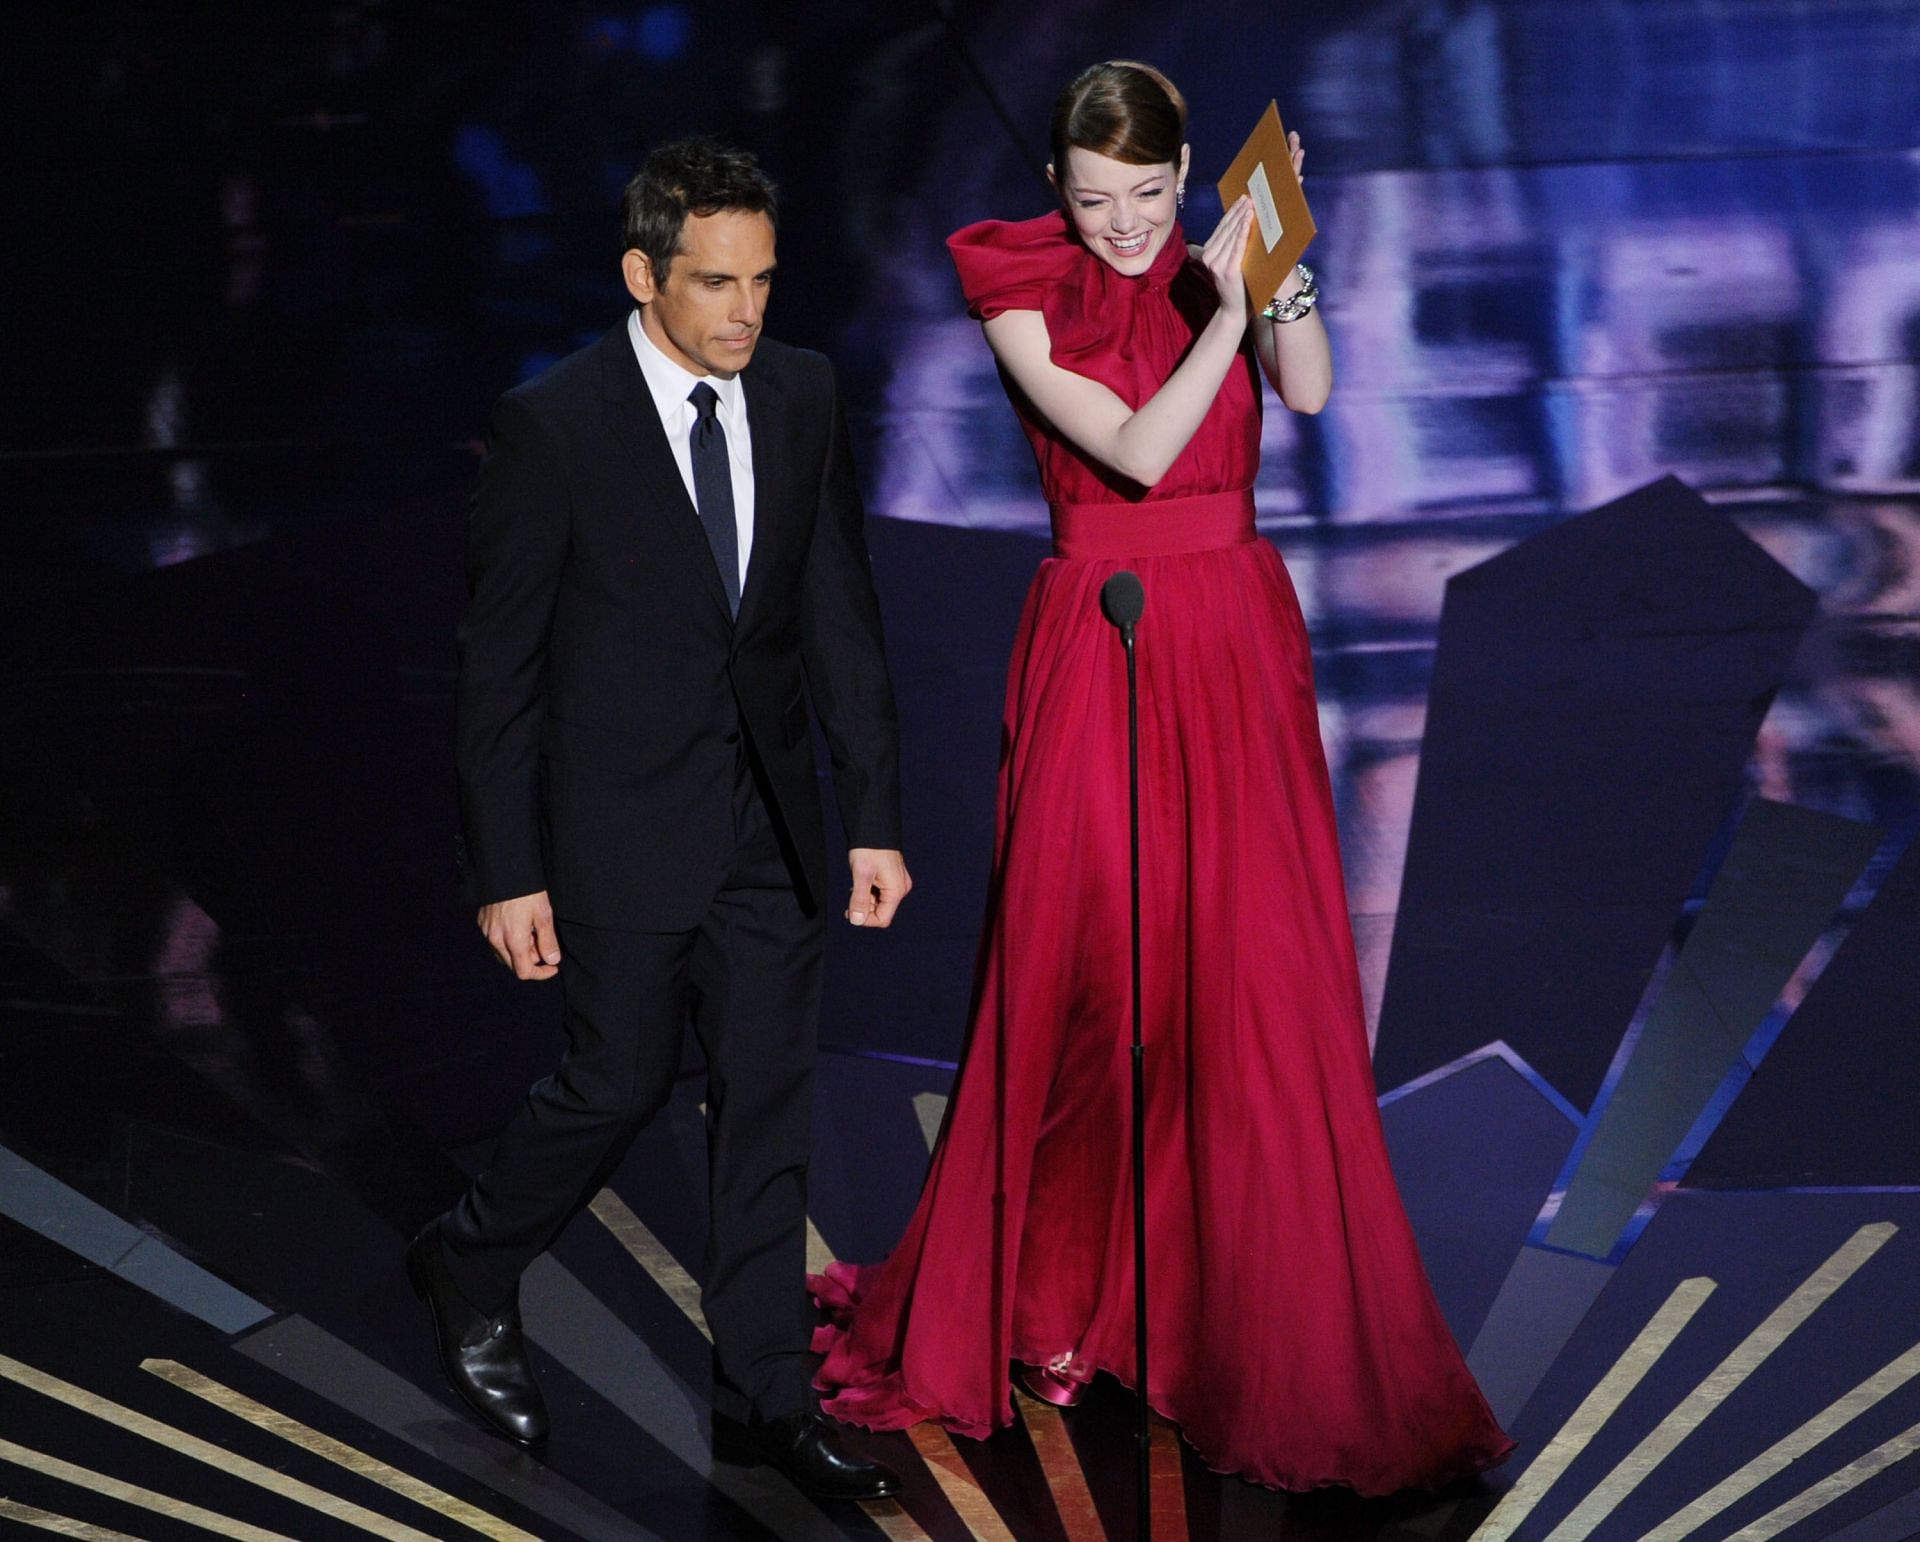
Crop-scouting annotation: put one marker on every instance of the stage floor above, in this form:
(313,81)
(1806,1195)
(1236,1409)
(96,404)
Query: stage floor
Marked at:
(1627,798)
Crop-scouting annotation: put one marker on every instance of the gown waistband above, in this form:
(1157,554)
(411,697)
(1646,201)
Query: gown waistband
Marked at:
(1160,527)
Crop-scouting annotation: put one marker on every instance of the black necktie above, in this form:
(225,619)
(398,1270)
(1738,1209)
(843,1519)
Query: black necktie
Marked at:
(713,489)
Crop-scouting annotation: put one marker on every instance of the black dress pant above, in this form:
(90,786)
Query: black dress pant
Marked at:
(749,978)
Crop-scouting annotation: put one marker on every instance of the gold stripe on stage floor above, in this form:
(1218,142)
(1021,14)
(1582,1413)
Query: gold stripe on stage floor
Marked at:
(205,1451)
(651,1254)
(1053,1444)
(61,1525)
(1722,1381)
(894,1522)
(1828,1489)
(1598,1406)
(338,1452)
(1835,1417)
(132,1494)
(957,1482)
(1167,1491)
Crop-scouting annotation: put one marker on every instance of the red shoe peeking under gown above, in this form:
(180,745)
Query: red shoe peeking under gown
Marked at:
(1293,1335)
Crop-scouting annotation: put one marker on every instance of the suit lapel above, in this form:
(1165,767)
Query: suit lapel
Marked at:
(636,424)
(769,423)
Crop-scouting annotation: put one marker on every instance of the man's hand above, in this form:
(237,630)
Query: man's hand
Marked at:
(520,932)
(880,882)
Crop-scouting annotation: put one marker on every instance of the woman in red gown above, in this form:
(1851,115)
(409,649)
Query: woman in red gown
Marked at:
(1292,1335)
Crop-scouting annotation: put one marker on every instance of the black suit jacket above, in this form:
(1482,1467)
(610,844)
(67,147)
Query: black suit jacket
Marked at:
(603,685)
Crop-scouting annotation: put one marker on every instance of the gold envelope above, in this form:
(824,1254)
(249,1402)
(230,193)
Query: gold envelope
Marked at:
(1282,222)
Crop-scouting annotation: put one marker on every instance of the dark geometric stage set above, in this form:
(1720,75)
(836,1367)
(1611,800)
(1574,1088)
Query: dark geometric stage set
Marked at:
(1612,529)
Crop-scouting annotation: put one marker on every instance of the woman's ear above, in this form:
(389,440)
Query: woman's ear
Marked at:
(1053,179)
(1186,157)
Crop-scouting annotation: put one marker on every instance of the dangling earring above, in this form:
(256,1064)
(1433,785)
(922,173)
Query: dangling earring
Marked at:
(1180,195)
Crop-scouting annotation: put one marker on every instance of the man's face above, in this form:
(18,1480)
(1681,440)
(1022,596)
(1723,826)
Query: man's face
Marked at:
(706,316)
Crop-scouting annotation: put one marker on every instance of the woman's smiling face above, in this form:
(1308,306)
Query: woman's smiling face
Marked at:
(1124,213)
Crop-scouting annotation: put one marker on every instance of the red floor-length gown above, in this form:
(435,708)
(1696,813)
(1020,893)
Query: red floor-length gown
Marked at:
(1293,1335)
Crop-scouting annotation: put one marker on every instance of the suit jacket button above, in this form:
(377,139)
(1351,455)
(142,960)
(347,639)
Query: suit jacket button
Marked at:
(732,738)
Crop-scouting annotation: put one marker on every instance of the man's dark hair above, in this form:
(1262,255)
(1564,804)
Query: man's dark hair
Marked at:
(689,176)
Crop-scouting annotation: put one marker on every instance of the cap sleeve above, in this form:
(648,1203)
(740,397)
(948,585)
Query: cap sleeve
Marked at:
(1011,265)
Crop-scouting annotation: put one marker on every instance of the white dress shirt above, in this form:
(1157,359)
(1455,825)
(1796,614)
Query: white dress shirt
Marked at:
(670,386)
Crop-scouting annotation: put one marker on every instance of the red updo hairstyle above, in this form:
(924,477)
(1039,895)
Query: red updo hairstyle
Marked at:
(1122,109)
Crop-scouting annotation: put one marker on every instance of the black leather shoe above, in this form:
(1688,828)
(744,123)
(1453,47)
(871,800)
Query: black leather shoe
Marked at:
(808,1452)
(485,1358)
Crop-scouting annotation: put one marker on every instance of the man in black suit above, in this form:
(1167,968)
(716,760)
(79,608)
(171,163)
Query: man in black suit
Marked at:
(666,553)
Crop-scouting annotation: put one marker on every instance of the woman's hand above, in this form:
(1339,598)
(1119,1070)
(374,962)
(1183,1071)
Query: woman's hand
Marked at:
(1226,248)
(1299,152)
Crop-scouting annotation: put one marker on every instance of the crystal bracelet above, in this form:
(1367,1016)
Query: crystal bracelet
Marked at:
(1299,302)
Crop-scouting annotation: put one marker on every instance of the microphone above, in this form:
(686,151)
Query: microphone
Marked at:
(1122,599)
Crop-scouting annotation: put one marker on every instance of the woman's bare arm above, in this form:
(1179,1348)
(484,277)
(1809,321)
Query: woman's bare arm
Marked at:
(1140,444)
(1295,356)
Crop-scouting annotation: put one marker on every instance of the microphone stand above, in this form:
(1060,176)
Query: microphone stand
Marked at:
(1123,600)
